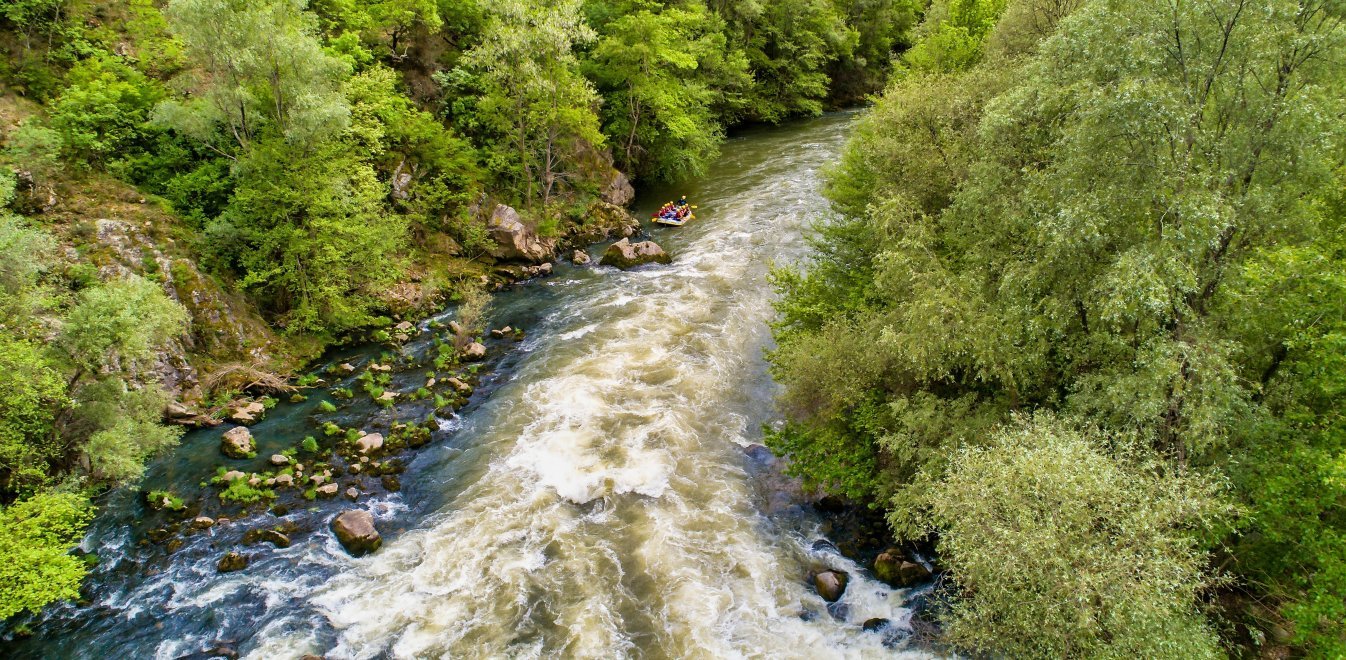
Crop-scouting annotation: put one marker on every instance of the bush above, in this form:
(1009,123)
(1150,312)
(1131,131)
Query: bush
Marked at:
(1062,550)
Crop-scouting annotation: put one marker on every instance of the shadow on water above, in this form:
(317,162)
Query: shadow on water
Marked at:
(603,496)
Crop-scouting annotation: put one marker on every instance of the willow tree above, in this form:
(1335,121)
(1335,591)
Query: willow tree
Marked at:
(1112,220)
(254,66)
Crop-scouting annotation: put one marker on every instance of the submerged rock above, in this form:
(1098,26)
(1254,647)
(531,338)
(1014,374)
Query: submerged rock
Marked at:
(203,522)
(237,443)
(355,530)
(271,536)
(831,585)
(624,254)
(233,561)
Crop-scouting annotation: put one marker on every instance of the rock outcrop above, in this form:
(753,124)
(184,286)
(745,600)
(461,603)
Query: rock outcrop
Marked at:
(515,240)
(619,191)
(624,254)
(237,443)
(355,530)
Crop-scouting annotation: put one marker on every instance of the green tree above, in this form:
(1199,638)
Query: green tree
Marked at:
(104,109)
(36,566)
(255,65)
(1063,550)
(659,115)
(311,235)
(533,98)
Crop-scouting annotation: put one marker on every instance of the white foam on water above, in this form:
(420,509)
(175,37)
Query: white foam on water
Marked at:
(616,518)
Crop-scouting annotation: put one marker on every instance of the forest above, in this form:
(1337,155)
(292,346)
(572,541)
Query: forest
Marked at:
(1081,319)
(296,164)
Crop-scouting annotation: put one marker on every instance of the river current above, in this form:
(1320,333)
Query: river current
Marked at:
(599,504)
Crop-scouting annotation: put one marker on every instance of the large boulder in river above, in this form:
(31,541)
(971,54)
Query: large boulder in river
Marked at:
(893,567)
(625,254)
(831,585)
(355,530)
(515,240)
(237,443)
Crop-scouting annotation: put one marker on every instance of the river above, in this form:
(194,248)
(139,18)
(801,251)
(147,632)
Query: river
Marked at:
(600,503)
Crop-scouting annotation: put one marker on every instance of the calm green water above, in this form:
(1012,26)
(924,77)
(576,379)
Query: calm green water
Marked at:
(600,503)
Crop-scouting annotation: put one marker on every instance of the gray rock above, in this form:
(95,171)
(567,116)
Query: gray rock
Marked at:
(514,240)
(237,443)
(624,254)
(619,191)
(203,522)
(356,532)
(285,480)
(371,442)
(474,351)
(459,386)
(327,490)
(580,258)
(247,413)
(280,459)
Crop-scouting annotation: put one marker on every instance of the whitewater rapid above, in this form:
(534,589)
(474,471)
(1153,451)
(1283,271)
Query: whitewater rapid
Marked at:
(600,504)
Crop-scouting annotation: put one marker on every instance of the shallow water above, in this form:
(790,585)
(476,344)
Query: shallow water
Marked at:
(600,503)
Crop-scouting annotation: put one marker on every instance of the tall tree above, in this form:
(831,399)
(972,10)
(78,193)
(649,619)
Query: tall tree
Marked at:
(533,96)
(256,65)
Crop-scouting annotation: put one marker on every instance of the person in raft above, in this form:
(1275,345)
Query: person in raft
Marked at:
(681,206)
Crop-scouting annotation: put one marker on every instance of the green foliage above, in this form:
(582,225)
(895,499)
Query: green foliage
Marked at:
(104,109)
(533,101)
(36,535)
(326,407)
(1066,546)
(310,444)
(261,68)
(311,236)
(239,491)
(162,499)
(1115,219)
(660,114)
(124,321)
